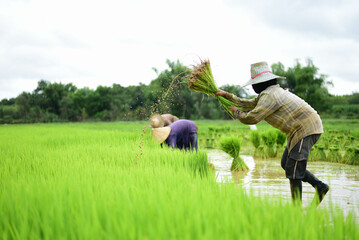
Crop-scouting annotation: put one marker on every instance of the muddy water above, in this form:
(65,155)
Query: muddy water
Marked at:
(266,177)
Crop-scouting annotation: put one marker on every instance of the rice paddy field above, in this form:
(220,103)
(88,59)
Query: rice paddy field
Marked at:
(111,181)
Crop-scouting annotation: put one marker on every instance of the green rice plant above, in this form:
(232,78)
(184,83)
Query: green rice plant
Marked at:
(86,181)
(255,138)
(334,154)
(201,80)
(232,146)
(349,140)
(355,160)
(317,153)
(260,152)
(321,153)
(313,153)
(198,163)
(349,155)
(281,138)
(269,138)
(280,141)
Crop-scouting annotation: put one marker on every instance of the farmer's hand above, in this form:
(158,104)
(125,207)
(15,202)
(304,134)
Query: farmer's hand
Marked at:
(221,93)
(233,109)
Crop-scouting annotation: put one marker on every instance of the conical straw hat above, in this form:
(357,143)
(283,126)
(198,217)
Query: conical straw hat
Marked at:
(156,121)
(260,72)
(161,134)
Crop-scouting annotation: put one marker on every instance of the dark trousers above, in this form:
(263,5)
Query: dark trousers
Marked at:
(295,162)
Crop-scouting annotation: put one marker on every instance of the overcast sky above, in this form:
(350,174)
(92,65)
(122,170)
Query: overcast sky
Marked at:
(91,43)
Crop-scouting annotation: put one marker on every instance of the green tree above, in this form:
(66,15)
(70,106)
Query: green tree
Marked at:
(49,95)
(306,82)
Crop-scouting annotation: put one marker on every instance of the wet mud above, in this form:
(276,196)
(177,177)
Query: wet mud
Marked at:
(267,178)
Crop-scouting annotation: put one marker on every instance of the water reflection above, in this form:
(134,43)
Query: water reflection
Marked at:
(267,177)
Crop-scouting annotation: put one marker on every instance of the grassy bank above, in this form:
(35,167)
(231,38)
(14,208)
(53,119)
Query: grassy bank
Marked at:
(110,181)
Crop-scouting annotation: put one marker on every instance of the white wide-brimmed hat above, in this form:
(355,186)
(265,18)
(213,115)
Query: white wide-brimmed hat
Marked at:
(161,134)
(260,72)
(156,121)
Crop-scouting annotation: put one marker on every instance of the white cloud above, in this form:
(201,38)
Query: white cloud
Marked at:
(91,43)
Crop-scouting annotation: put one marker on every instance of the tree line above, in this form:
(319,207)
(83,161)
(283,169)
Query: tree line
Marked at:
(168,93)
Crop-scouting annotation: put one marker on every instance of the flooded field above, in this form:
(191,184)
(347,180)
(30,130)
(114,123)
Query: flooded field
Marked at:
(266,177)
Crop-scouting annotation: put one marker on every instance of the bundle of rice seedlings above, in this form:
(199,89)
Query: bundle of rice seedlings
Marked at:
(269,138)
(201,80)
(281,138)
(321,156)
(356,156)
(334,155)
(349,156)
(232,146)
(255,138)
(312,153)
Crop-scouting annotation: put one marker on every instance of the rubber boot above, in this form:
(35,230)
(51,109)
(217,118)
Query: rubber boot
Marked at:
(296,190)
(320,187)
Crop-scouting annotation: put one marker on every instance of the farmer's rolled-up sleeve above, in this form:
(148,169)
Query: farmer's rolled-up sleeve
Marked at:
(246,104)
(265,106)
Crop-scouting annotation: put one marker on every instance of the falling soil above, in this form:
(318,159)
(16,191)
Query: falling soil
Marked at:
(266,177)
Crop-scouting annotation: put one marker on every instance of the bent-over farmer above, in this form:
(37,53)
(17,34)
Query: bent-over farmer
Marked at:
(168,119)
(164,119)
(291,115)
(181,134)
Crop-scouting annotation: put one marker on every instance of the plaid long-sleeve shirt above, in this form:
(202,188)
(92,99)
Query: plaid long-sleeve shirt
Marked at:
(281,109)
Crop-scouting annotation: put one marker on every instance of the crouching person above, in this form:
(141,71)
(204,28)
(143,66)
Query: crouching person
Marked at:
(181,134)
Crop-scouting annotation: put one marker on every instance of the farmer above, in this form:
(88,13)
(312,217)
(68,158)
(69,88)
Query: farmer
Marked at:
(291,115)
(181,134)
(168,119)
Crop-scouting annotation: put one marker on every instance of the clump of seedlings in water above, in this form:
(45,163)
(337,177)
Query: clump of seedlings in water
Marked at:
(269,138)
(232,146)
(268,144)
(313,153)
(355,160)
(334,154)
(255,139)
(281,139)
(320,154)
(349,155)
(210,137)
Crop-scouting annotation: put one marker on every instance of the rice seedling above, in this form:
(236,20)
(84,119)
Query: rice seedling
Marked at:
(355,160)
(201,80)
(334,154)
(313,153)
(321,156)
(349,155)
(281,138)
(232,146)
(269,138)
(81,181)
(255,139)
(280,143)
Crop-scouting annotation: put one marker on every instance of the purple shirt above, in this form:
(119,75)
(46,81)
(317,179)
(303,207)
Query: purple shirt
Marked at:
(182,134)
